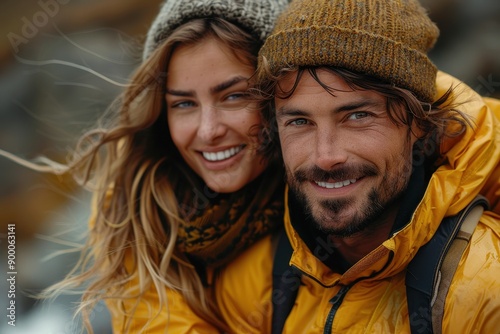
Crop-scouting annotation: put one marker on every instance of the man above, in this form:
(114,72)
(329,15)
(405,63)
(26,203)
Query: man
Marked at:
(378,152)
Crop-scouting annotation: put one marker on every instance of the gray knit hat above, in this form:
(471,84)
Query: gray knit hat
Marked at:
(256,16)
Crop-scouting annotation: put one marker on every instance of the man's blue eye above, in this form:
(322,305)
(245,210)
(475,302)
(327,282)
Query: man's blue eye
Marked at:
(358,115)
(299,121)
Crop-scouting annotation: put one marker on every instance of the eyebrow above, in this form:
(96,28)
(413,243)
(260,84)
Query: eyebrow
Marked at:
(358,105)
(228,83)
(283,111)
(216,89)
(176,92)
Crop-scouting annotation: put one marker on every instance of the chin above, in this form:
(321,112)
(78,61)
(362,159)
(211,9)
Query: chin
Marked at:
(224,188)
(230,181)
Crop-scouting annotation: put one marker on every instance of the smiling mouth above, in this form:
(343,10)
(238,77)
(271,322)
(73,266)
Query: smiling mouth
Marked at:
(335,185)
(222,155)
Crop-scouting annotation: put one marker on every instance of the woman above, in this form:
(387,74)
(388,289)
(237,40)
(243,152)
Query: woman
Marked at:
(179,187)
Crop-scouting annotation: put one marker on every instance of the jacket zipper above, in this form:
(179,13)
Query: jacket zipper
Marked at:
(335,301)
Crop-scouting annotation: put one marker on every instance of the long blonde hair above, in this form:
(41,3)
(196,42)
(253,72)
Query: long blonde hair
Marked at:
(132,167)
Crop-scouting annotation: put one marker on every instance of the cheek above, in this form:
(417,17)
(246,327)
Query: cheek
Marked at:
(246,122)
(179,130)
(398,155)
(251,116)
(292,149)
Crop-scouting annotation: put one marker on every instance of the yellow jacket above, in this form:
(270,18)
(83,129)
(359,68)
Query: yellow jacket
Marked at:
(376,301)
(176,318)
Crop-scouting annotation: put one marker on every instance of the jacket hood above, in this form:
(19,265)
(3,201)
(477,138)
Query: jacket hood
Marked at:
(470,166)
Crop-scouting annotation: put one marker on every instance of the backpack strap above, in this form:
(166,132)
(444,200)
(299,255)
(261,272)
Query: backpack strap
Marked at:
(430,272)
(286,282)
(450,264)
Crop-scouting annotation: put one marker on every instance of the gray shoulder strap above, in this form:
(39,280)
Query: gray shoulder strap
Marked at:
(450,264)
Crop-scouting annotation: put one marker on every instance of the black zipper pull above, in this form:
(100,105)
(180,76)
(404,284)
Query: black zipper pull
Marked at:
(335,301)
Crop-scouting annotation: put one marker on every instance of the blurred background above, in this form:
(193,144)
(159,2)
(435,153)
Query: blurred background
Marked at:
(61,64)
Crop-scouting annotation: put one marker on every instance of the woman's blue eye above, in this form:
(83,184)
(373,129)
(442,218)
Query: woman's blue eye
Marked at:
(183,104)
(234,101)
(236,96)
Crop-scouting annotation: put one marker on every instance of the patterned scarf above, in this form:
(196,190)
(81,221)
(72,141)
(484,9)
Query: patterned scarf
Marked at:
(227,224)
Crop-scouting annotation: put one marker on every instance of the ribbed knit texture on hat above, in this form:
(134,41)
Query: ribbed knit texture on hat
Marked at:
(388,39)
(256,16)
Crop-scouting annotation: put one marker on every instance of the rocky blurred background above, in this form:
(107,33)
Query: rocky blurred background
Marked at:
(61,63)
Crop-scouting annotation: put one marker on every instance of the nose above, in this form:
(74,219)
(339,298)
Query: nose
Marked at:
(211,126)
(330,149)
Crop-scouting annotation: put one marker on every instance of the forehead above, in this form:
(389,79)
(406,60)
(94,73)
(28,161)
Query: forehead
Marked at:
(324,87)
(193,54)
(207,60)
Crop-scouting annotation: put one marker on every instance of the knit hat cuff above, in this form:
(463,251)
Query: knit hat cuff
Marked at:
(165,25)
(354,50)
(256,16)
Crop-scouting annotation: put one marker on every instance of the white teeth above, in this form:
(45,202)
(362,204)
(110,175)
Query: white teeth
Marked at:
(336,184)
(222,155)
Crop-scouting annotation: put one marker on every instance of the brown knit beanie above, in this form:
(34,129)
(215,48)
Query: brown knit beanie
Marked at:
(256,16)
(387,39)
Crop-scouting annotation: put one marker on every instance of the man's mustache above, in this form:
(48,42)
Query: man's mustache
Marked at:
(346,172)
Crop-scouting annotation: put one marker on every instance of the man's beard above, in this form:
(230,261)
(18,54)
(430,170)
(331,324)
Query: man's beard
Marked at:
(329,214)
